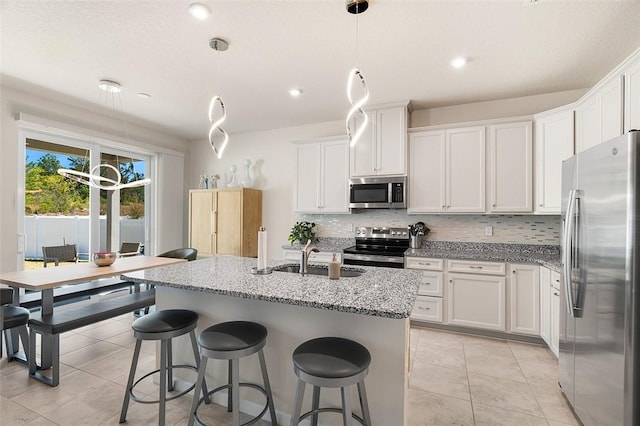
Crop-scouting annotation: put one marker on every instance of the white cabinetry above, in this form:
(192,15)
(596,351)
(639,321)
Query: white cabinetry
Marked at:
(447,171)
(550,308)
(510,164)
(382,148)
(524,298)
(475,300)
(429,304)
(599,114)
(554,134)
(322,168)
(632,97)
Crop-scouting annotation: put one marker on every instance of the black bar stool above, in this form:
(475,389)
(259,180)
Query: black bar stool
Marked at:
(163,326)
(231,341)
(331,362)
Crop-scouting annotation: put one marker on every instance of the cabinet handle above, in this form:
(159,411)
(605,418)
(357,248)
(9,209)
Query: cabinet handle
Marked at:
(555,293)
(494,205)
(475,267)
(513,272)
(557,281)
(451,281)
(427,283)
(424,263)
(212,225)
(443,206)
(541,204)
(423,308)
(448,207)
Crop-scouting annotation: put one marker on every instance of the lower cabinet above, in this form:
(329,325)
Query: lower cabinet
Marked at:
(524,299)
(429,304)
(476,301)
(545,305)
(320,257)
(554,338)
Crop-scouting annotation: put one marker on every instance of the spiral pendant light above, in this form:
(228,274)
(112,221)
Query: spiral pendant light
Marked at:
(356,7)
(219,45)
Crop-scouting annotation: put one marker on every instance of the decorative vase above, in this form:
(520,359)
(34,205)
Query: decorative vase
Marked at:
(233,183)
(247,182)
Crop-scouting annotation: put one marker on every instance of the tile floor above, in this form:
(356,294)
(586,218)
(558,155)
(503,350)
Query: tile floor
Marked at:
(455,380)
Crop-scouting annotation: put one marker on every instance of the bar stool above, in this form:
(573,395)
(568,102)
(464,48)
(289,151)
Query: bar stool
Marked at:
(331,362)
(231,341)
(163,326)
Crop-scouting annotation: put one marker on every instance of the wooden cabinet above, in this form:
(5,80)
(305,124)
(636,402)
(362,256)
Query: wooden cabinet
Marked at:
(382,148)
(321,180)
(554,336)
(554,136)
(447,172)
(510,166)
(225,221)
(599,114)
(524,298)
(475,300)
(429,304)
(632,97)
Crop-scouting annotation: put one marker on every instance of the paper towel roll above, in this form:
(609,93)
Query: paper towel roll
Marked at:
(262,248)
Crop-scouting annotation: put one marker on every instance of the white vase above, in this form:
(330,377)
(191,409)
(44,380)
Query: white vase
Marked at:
(247,182)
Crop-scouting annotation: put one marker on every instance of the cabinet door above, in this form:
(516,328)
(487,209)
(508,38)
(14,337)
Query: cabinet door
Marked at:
(632,98)
(363,154)
(510,168)
(554,336)
(465,170)
(391,141)
(611,109)
(427,309)
(524,297)
(588,124)
(545,305)
(229,223)
(334,176)
(307,185)
(202,221)
(476,301)
(426,172)
(554,144)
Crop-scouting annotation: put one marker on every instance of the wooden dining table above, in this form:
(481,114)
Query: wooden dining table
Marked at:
(46,280)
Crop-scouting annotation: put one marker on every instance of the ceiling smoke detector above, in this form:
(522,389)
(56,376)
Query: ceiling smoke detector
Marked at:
(356,7)
(218,44)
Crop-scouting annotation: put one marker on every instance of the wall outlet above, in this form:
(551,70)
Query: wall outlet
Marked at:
(488,230)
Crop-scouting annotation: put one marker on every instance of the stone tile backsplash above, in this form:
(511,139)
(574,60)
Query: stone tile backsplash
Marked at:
(511,229)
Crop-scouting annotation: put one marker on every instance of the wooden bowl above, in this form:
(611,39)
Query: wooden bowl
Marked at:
(104,258)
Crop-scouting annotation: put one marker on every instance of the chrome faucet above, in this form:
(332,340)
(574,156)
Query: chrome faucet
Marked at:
(304,256)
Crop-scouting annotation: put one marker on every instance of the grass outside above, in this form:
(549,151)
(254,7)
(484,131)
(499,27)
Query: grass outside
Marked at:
(39,264)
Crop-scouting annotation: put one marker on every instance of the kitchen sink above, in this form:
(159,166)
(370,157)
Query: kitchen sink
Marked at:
(345,272)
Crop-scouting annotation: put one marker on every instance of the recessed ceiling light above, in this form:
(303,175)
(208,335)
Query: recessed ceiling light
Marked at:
(109,86)
(459,62)
(295,92)
(144,95)
(199,11)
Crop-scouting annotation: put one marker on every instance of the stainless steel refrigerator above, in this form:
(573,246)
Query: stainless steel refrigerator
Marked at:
(599,315)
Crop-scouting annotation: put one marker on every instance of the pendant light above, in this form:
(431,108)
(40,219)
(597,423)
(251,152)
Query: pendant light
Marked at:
(219,45)
(356,7)
(94,178)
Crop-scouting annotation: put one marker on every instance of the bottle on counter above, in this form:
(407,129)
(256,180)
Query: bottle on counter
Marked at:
(334,268)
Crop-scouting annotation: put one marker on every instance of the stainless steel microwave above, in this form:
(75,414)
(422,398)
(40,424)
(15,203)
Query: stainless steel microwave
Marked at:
(378,193)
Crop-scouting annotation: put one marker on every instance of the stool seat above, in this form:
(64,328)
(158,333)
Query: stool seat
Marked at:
(331,357)
(14,316)
(232,336)
(165,321)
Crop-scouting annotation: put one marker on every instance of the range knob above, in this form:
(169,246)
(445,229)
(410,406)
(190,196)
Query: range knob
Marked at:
(404,233)
(393,232)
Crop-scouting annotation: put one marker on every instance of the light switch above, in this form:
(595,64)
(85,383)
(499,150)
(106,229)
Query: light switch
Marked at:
(488,230)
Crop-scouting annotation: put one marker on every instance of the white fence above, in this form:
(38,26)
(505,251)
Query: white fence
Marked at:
(58,230)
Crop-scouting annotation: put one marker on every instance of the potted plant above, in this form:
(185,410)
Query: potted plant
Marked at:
(302,232)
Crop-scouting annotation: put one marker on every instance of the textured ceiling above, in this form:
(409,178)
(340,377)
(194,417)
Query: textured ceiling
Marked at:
(515,47)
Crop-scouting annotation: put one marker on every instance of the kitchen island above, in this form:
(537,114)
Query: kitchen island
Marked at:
(372,309)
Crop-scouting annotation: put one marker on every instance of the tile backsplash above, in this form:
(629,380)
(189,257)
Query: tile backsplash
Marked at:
(512,229)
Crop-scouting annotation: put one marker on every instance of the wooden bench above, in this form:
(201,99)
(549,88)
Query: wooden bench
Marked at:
(71,319)
(76,292)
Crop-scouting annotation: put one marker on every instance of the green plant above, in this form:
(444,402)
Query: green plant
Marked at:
(302,232)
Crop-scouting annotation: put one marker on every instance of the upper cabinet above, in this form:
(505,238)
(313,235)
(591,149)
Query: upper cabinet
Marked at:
(510,162)
(447,171)
(322,176)
(599,114)
(632,97)
(554,134)
(382,148)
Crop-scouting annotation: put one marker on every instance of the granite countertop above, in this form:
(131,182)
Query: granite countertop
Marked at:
(547,256)
(381,292)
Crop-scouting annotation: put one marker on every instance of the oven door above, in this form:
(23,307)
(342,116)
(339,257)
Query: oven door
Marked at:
(373,260)
(369,195)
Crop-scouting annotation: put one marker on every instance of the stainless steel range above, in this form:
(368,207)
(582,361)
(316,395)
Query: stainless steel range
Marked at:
(378,247)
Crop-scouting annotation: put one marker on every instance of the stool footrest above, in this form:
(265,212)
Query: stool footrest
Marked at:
(228,386)
(143,401)
(331,410)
